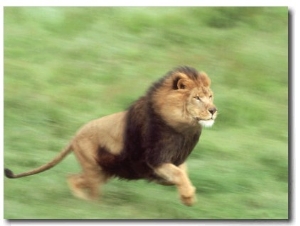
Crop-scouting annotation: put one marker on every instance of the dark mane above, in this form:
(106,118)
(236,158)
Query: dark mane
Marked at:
(148,140)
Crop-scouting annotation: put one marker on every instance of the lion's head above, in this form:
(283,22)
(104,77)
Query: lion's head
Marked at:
(184,99)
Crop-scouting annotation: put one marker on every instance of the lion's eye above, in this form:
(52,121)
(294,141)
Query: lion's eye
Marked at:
(198,98)
(210,96)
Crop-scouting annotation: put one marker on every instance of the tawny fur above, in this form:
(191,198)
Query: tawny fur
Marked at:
(151,140)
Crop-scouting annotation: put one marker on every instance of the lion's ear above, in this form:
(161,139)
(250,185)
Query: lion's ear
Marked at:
(179,83)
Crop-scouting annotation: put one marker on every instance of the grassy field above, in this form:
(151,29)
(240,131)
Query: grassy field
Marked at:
(66,66)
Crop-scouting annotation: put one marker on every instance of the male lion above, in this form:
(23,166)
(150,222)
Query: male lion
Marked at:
(151,140)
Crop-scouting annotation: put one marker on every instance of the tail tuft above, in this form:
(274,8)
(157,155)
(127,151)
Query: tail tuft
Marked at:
(8,173)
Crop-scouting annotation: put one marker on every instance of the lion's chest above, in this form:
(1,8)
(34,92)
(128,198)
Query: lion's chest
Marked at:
(148,143)
(172,148)
(138,161)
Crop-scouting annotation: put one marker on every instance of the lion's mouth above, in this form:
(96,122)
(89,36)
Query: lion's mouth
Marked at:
(206,123)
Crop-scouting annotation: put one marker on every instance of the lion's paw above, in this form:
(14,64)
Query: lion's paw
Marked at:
(188,201)
(189,197)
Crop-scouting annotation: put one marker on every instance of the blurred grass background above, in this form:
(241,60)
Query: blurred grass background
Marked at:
(66,66)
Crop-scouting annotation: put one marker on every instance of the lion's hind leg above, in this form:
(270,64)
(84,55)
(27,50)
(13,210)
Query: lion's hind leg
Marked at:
(78,186)
(86,185)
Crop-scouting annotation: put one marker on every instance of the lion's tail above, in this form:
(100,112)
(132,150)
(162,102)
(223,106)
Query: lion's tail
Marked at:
(8,173)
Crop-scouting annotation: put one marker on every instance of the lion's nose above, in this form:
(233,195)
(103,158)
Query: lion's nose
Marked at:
(212,110)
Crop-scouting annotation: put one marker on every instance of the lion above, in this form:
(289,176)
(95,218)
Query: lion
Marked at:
(151,140)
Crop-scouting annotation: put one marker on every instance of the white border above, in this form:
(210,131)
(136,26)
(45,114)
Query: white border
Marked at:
(293,70)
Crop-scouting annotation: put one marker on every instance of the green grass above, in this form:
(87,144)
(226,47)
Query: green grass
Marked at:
(66,66)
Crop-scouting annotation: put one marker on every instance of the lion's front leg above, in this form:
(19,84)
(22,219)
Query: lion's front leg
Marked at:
(179,177)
